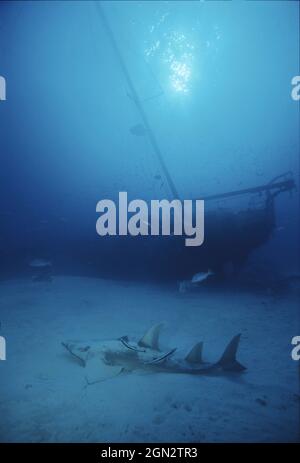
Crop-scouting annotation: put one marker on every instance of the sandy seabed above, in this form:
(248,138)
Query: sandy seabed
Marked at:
(44,396)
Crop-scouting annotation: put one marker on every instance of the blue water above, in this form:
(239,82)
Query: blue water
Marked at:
(214,79)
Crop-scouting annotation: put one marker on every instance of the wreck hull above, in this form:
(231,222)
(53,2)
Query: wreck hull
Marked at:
(229,238)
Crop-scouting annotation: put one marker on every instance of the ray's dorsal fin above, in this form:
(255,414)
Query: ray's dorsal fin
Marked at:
(151,337)
(228,361)
(195,354)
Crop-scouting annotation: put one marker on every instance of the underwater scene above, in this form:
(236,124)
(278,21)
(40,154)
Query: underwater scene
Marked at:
(149,222)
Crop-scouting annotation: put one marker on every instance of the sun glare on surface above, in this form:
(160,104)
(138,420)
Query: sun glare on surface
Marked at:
(180,76)
(176,53)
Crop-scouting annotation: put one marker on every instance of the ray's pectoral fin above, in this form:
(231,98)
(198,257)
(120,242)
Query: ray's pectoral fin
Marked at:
(228,361)
(96,370)
(195,354)
(151,337)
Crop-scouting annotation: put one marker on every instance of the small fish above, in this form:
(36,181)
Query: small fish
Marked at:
(138,130)
(201,276)
(157,177)
(40,263)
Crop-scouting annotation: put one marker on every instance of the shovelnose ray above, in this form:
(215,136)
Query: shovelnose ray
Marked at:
(102,360)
